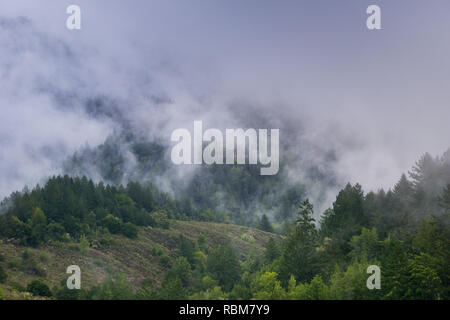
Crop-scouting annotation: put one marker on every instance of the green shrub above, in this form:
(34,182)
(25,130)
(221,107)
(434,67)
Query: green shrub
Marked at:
(64,293)
(157,251)
(165,261)
(39,288)
(113,223)
(161,219)
(14,264)
(30,266)
(114,287)
(44,257)
(130,230)
(248,238)
(26,255)
(17,286)
(107,240)
(84,244)
(3,275)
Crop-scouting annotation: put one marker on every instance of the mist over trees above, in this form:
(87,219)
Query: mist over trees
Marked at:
(405,231)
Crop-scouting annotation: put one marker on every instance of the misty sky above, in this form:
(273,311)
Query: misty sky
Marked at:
(380,98)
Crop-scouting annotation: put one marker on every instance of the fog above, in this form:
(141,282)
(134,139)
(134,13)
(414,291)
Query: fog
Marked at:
(362,105)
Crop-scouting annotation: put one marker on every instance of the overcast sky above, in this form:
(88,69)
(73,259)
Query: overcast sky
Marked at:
(381,98)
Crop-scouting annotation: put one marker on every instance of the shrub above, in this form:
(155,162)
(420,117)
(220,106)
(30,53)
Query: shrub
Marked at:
(44,258)
(113,288)
(3,275)
(30,266)
(165,261)
(26,254)
(84,244)
(248,238)
(39,288)
(107,240)
(161,219)
(113,223)
(130,230)
(14,264)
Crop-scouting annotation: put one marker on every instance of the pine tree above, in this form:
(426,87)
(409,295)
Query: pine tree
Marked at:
(445,199)
(272,252)
(299,257)
(347,218)
(223,265)
(265,224)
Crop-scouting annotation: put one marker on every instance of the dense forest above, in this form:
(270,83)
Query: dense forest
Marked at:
(405,231)
(235,193)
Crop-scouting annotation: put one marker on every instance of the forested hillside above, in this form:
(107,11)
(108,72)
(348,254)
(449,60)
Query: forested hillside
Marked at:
(235,193)
(137,242)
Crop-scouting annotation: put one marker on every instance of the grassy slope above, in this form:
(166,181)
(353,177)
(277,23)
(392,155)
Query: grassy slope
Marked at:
(120,254)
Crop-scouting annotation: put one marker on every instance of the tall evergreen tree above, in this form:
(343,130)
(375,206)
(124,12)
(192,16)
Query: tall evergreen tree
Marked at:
(265,224)
(299,257)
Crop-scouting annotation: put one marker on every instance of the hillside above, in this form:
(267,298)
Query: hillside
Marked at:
(137,259)
(135,242)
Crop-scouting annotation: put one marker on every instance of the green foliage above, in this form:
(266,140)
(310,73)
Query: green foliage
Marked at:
(208,283)
(64,293)
(299,253)
(394,259)
(76,206)
(186,249)
(347,217)
(267,287)
(315,290)
(39,288)
(29,265)
(445,199)
(130,230)
(240,292)
(147,292)
(272,251)
(181,269)
(84,244)
(265,224)
(3,275)
(424,278)
(224,266)
(351,284)
(200,261)
(215,293)
(113,288)
(365,246)
(201,241)
(113,223)
(405,231)
(247,238)
(161,219)
(172,289)
(44,257)
(165,261)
